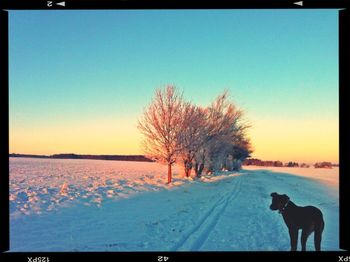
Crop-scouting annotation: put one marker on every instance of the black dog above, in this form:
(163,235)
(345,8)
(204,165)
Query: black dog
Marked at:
(309,219)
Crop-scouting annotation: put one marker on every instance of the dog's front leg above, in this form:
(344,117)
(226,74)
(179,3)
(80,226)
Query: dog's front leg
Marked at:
(293,234)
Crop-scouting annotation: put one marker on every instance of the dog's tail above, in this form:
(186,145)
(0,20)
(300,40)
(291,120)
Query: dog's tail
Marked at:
(318,235)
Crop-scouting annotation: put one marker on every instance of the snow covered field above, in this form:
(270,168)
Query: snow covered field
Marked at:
(94,205)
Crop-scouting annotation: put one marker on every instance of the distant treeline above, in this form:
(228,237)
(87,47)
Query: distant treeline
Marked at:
(258,162)
(140,158)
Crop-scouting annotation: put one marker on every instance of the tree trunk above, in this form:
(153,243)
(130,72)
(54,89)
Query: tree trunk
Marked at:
(200,170)
(189,172)
(169,173)
(185,167)
(196,169)
(188,168)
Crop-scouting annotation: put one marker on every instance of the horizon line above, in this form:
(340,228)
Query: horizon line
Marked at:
(141,155)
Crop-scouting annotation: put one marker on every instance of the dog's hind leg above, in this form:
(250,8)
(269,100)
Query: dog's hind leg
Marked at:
(304,235)
(318,236)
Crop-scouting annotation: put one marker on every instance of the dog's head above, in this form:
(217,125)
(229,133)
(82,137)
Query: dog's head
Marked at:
(278,201)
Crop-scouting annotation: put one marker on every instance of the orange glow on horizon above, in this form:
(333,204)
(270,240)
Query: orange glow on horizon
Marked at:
(96,137)
(296,140)
(272,139)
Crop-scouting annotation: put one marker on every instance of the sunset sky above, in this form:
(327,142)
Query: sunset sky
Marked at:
(79,80)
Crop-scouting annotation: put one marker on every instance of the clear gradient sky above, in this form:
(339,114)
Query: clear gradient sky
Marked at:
(79,80)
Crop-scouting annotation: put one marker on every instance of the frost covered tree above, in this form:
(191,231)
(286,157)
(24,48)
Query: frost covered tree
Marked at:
(191,135)
(225,134)
(160,125)
(210,139)
(240,151)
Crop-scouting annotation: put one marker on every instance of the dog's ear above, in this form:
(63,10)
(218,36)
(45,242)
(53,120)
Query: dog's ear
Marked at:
(286,197)
(273,194)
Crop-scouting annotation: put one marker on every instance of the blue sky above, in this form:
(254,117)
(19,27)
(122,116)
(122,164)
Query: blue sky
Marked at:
(71,66)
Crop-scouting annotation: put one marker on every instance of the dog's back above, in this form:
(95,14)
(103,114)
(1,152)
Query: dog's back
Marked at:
(305,216)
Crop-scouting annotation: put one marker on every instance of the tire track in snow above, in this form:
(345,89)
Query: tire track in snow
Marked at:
(197,236)
(213,220)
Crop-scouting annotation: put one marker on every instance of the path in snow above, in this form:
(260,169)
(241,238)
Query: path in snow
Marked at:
(198,234)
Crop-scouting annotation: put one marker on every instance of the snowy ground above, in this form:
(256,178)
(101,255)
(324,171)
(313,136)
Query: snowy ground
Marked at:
(93,205)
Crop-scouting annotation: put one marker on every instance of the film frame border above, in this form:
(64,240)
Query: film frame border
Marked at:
(344,144)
